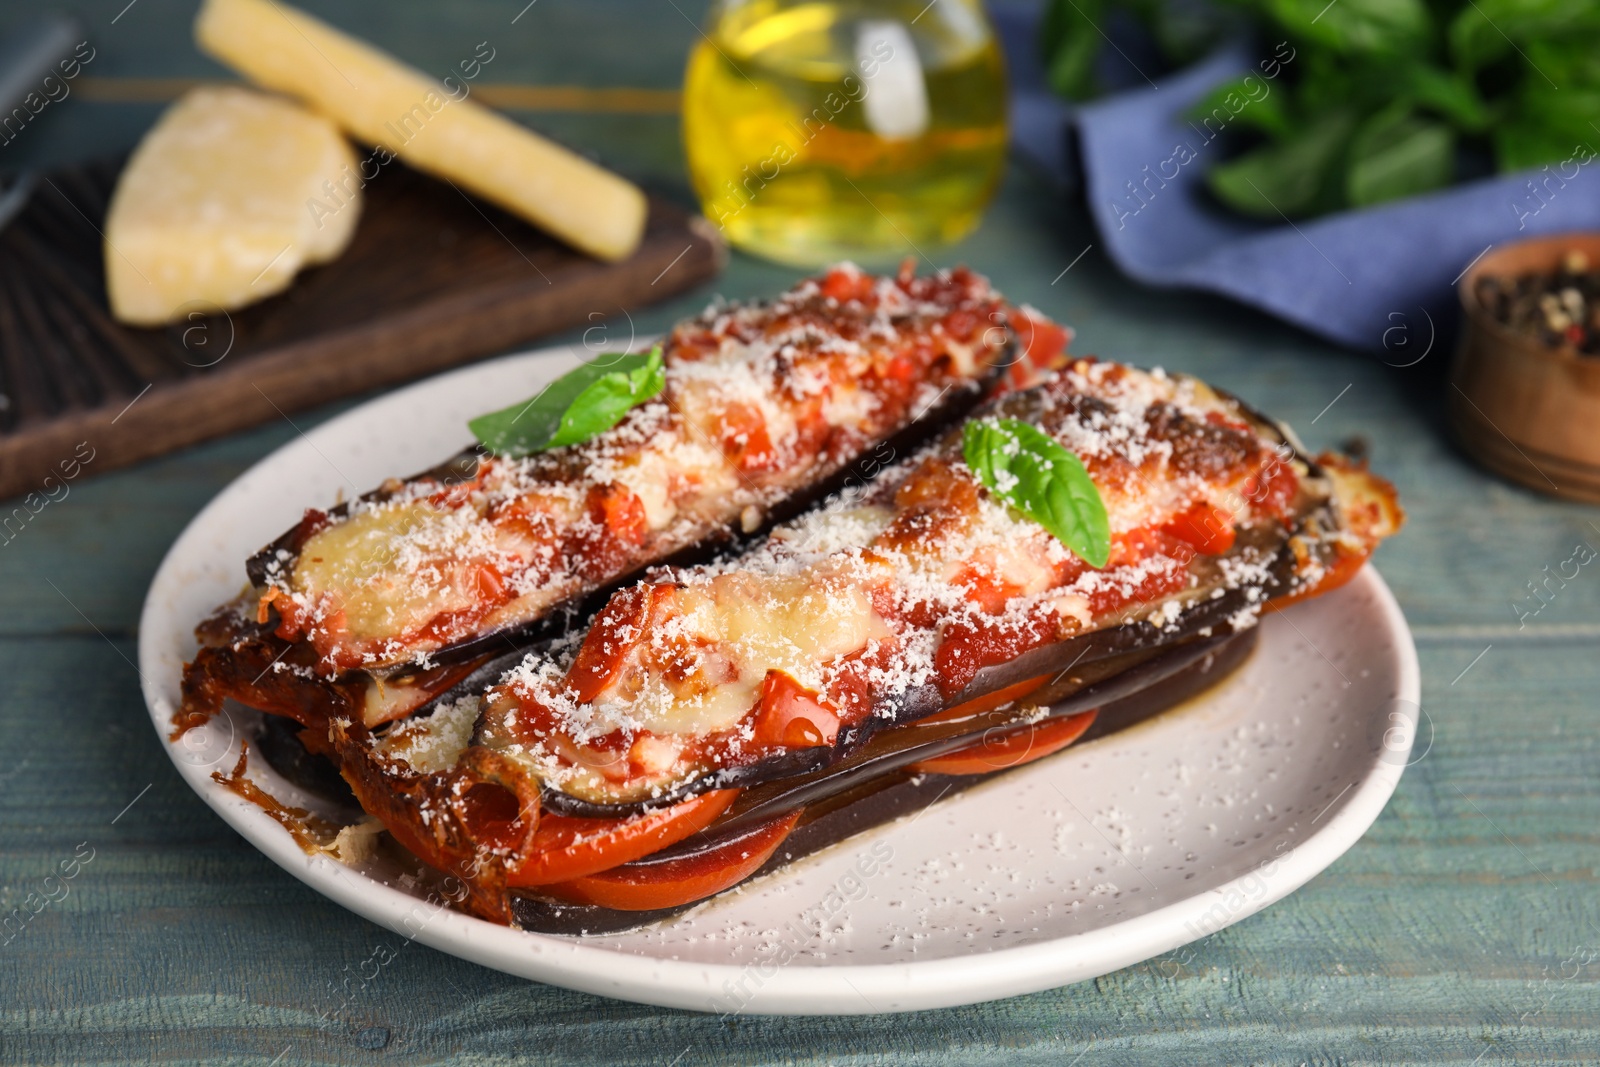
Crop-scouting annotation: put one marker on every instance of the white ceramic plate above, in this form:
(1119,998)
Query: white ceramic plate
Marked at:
(1110,853)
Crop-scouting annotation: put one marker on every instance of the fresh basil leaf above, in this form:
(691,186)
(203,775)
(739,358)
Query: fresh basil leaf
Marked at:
(1384,98)
(1396,154)
(1071,45)
(1056,24)
(1548,126)
(575,407)
(1488,30)
(1451,95)
(1568,59)
(1247,101)
(1326,83)
(1392,27)
(1071,71)
(1474,41)
(1296,176)
(1526,144)
(1027,469)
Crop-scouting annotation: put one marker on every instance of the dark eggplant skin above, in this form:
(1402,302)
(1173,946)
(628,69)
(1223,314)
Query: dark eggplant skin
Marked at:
(849,801)
(280,745)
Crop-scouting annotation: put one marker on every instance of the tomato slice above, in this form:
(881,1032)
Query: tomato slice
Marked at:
(791,716)
(1043,341)
(999,698)
(656,884)
(744,436)
(621,625)
(1271,489)
(843,285)
(1208,529)
(1340,571)
(997,753)
(565,847)
(1043,347)
(623,514)
(967,647)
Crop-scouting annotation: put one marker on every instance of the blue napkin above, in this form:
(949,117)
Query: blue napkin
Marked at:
(1380,278)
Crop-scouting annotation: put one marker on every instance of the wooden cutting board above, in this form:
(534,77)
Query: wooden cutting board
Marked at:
(432,279)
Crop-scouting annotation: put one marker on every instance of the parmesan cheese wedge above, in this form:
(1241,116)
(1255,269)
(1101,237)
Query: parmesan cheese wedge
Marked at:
(433,128)
(214,205)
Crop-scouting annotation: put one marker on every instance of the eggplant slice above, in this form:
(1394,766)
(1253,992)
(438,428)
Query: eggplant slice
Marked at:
(371,609)
(869,792)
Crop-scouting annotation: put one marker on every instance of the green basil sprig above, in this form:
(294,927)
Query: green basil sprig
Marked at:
(578,405)
(1027,469)
(1360,102)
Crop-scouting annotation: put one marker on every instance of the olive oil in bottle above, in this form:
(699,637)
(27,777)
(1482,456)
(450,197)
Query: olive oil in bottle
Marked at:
(845,129)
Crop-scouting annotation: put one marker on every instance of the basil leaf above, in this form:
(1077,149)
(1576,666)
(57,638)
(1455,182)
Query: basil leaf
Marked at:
(1397,154)
(1452,95)
(1027,469)
(1487,30)
(1071,69)
(1570,60)
(1071,45)
(575,407)
(1295,176)
(1391,27)
(1548,126)
(1236,100)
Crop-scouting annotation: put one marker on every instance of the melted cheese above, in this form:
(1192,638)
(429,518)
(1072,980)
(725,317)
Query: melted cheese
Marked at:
(434,742)
(351,567)
(754,625)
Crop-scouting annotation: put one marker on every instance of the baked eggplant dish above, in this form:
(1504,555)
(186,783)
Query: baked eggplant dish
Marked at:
(1085,547)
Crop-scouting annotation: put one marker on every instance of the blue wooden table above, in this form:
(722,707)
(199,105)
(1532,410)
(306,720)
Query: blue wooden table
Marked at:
(1464,929)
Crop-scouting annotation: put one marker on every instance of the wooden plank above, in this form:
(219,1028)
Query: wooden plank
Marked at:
(432,279)
(1446,936)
